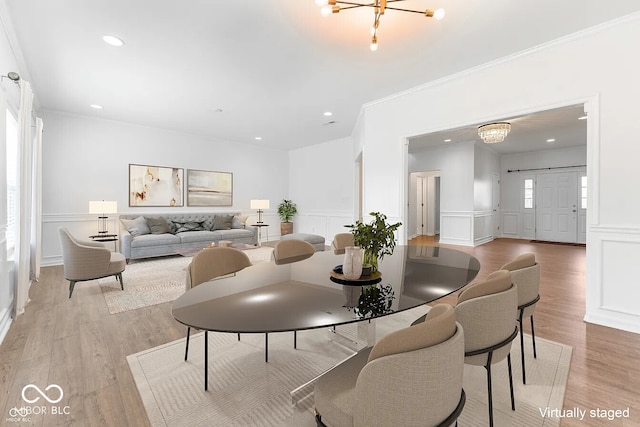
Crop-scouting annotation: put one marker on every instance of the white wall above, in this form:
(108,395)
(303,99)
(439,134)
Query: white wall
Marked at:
(466,171)
(556,74)
(321,183)
(88,159)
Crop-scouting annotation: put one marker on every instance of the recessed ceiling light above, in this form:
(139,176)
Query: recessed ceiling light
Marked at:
(551,140)
(582,118)
(258,138)
(447,140)
(96,106)
(328,113)
(113,40)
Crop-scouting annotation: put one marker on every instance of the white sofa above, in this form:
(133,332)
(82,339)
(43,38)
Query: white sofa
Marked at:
(135,244)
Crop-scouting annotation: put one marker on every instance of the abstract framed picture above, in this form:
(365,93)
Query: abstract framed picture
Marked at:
(209,188)
(156,186)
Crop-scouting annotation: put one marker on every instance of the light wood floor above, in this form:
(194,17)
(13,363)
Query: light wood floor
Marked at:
(77,344)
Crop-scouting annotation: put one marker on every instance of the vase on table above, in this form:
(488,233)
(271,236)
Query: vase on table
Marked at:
(352,263)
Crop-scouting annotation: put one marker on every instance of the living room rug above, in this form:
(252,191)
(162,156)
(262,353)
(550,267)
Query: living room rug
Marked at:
(246,391)
(156,281)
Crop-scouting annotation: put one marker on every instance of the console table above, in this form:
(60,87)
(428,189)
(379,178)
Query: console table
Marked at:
(106,238)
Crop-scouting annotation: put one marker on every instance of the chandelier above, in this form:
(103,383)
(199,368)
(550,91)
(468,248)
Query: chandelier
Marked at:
(494,132)
(329,7)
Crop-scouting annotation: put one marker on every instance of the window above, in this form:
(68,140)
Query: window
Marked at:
(12,187)
(528,193)
(583,192)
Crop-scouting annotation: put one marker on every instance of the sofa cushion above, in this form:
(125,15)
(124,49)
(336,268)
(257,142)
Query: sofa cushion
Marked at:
(137,226)
(158,225)
(239,221)
(182,226)
(234,233)
(222,222)
(154,240)
(203,236)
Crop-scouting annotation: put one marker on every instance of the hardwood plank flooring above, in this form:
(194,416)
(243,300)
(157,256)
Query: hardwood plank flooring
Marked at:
(76,343)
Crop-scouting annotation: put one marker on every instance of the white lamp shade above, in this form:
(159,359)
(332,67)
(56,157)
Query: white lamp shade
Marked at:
(259,204)
(103,207)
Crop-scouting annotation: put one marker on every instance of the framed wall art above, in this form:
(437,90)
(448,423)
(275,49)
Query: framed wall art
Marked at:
(209,188)
(157,186)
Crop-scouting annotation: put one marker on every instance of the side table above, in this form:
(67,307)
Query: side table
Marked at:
(106,238)
(260,225)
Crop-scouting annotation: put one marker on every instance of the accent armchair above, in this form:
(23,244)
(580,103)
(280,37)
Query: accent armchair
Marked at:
(87,260)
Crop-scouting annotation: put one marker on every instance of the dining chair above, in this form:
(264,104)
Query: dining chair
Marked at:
(292,250)
(211,263)
(525,273)
(411,377)
(86,260)
(341,241)
(487,311)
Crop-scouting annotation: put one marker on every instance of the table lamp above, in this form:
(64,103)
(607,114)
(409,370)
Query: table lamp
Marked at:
(102,208)
(259,205)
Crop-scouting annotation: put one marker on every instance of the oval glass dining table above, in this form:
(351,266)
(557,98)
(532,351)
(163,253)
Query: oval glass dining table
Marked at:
(267,298)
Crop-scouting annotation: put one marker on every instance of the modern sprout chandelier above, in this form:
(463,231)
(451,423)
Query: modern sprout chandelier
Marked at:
(329,7)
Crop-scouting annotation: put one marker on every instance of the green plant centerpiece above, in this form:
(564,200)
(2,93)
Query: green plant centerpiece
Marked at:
(376,238)
(286,211)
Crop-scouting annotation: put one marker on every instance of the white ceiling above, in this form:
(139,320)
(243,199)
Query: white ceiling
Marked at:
(531,132)
(272,66)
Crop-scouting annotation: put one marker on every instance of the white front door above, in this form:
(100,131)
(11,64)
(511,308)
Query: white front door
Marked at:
(556,207)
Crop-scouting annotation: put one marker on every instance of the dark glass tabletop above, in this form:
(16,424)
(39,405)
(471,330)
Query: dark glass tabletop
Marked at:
(275,298)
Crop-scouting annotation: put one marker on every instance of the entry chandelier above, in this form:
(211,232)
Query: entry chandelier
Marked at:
(379,7)
(494,132)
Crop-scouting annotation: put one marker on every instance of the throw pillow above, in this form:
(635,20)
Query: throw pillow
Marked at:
(222,222)
(189,226)
(158,225)
(238,221)
(137,227)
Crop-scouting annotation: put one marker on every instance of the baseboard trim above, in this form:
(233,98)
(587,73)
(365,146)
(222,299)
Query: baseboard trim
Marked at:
(5,323)
(616,320)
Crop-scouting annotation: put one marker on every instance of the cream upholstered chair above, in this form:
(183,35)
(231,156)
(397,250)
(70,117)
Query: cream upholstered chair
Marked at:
(292,250)
(210,263)
(525,273)
(87,260)
(411,377)
(487,311)
(341,241)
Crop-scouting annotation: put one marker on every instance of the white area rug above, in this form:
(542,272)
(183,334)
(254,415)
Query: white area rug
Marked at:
(246,391)
(156,281)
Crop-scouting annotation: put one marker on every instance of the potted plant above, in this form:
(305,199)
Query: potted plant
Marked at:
(286,210)
(376,238)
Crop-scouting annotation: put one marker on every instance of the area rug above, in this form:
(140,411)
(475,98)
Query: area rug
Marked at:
(246,391)
(156,281)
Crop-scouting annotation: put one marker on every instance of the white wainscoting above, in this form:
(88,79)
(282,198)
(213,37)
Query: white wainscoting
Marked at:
(482,227)
(5,312)
(326,223)
(456,228)
(511,224)
(613,294)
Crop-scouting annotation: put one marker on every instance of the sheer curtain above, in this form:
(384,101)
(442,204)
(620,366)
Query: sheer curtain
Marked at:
(29,200)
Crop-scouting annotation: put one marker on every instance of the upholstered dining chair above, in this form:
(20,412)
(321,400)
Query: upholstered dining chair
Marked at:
(211,263)
(525,273)
(487,311)
(411,377)
(292,250)
(341,241)
(86,260)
